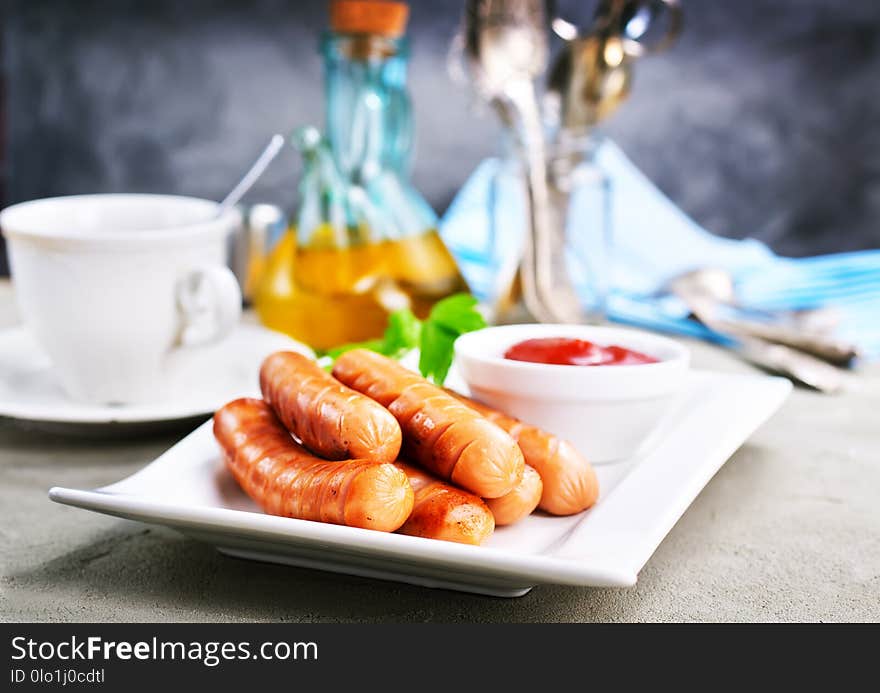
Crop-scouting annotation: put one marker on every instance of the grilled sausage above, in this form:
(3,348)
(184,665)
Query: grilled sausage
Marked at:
(285,479)
(443,435)
(443,511)
(519,503)
(330,419)
(570,484)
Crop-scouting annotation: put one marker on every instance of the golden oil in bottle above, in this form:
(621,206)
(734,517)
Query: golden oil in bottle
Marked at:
(325,295)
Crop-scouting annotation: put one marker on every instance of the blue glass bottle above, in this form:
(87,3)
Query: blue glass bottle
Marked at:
(363,242)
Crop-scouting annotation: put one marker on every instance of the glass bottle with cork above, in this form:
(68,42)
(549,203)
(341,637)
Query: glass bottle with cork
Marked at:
(363,242)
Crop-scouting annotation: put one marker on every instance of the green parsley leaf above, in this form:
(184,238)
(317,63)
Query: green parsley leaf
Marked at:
(448,319)
(435,337)
(401,335)
(403,332)
(436,353)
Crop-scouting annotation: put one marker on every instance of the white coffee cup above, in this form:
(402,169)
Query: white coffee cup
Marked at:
(111,285)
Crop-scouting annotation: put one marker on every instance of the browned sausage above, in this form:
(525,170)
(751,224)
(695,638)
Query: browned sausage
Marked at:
(570,484)
(443,511)
(285,479)
(519,503)
(443,435)
(331,420)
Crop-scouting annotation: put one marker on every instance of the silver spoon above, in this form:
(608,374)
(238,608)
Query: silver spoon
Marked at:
(593,71)
(253,174)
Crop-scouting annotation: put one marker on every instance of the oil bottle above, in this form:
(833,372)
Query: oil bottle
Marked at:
(363,242)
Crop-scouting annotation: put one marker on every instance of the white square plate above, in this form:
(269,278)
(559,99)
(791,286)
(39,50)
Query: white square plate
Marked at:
(188,488)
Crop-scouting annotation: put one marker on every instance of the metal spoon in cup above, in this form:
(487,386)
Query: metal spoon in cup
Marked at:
(253,174)
(194,294)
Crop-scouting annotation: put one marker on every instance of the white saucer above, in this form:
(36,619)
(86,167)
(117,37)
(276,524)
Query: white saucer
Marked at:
(201,379)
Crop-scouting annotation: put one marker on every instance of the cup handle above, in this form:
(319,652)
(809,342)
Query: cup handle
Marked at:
(209,303)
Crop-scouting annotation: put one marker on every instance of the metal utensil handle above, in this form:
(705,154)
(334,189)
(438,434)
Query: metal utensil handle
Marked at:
(826,348)
(777,358)
(254,172)
(537,252)
(796,365)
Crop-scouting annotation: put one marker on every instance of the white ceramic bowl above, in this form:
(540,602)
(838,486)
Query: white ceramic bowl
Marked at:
(607,412)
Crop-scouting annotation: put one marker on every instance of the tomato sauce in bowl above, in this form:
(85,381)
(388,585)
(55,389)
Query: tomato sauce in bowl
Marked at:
(566,351)
(608,414)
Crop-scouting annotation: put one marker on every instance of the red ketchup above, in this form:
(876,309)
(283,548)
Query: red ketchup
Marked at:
(564,351)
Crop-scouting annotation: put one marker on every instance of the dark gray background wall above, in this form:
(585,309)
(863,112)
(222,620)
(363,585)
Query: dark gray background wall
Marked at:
(763,121)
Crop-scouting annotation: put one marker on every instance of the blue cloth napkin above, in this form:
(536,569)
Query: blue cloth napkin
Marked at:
(653,241)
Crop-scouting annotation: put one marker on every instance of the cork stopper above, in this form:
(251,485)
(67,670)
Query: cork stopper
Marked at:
(381,17)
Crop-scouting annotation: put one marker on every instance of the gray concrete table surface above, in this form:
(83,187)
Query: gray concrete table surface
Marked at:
(788,530)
